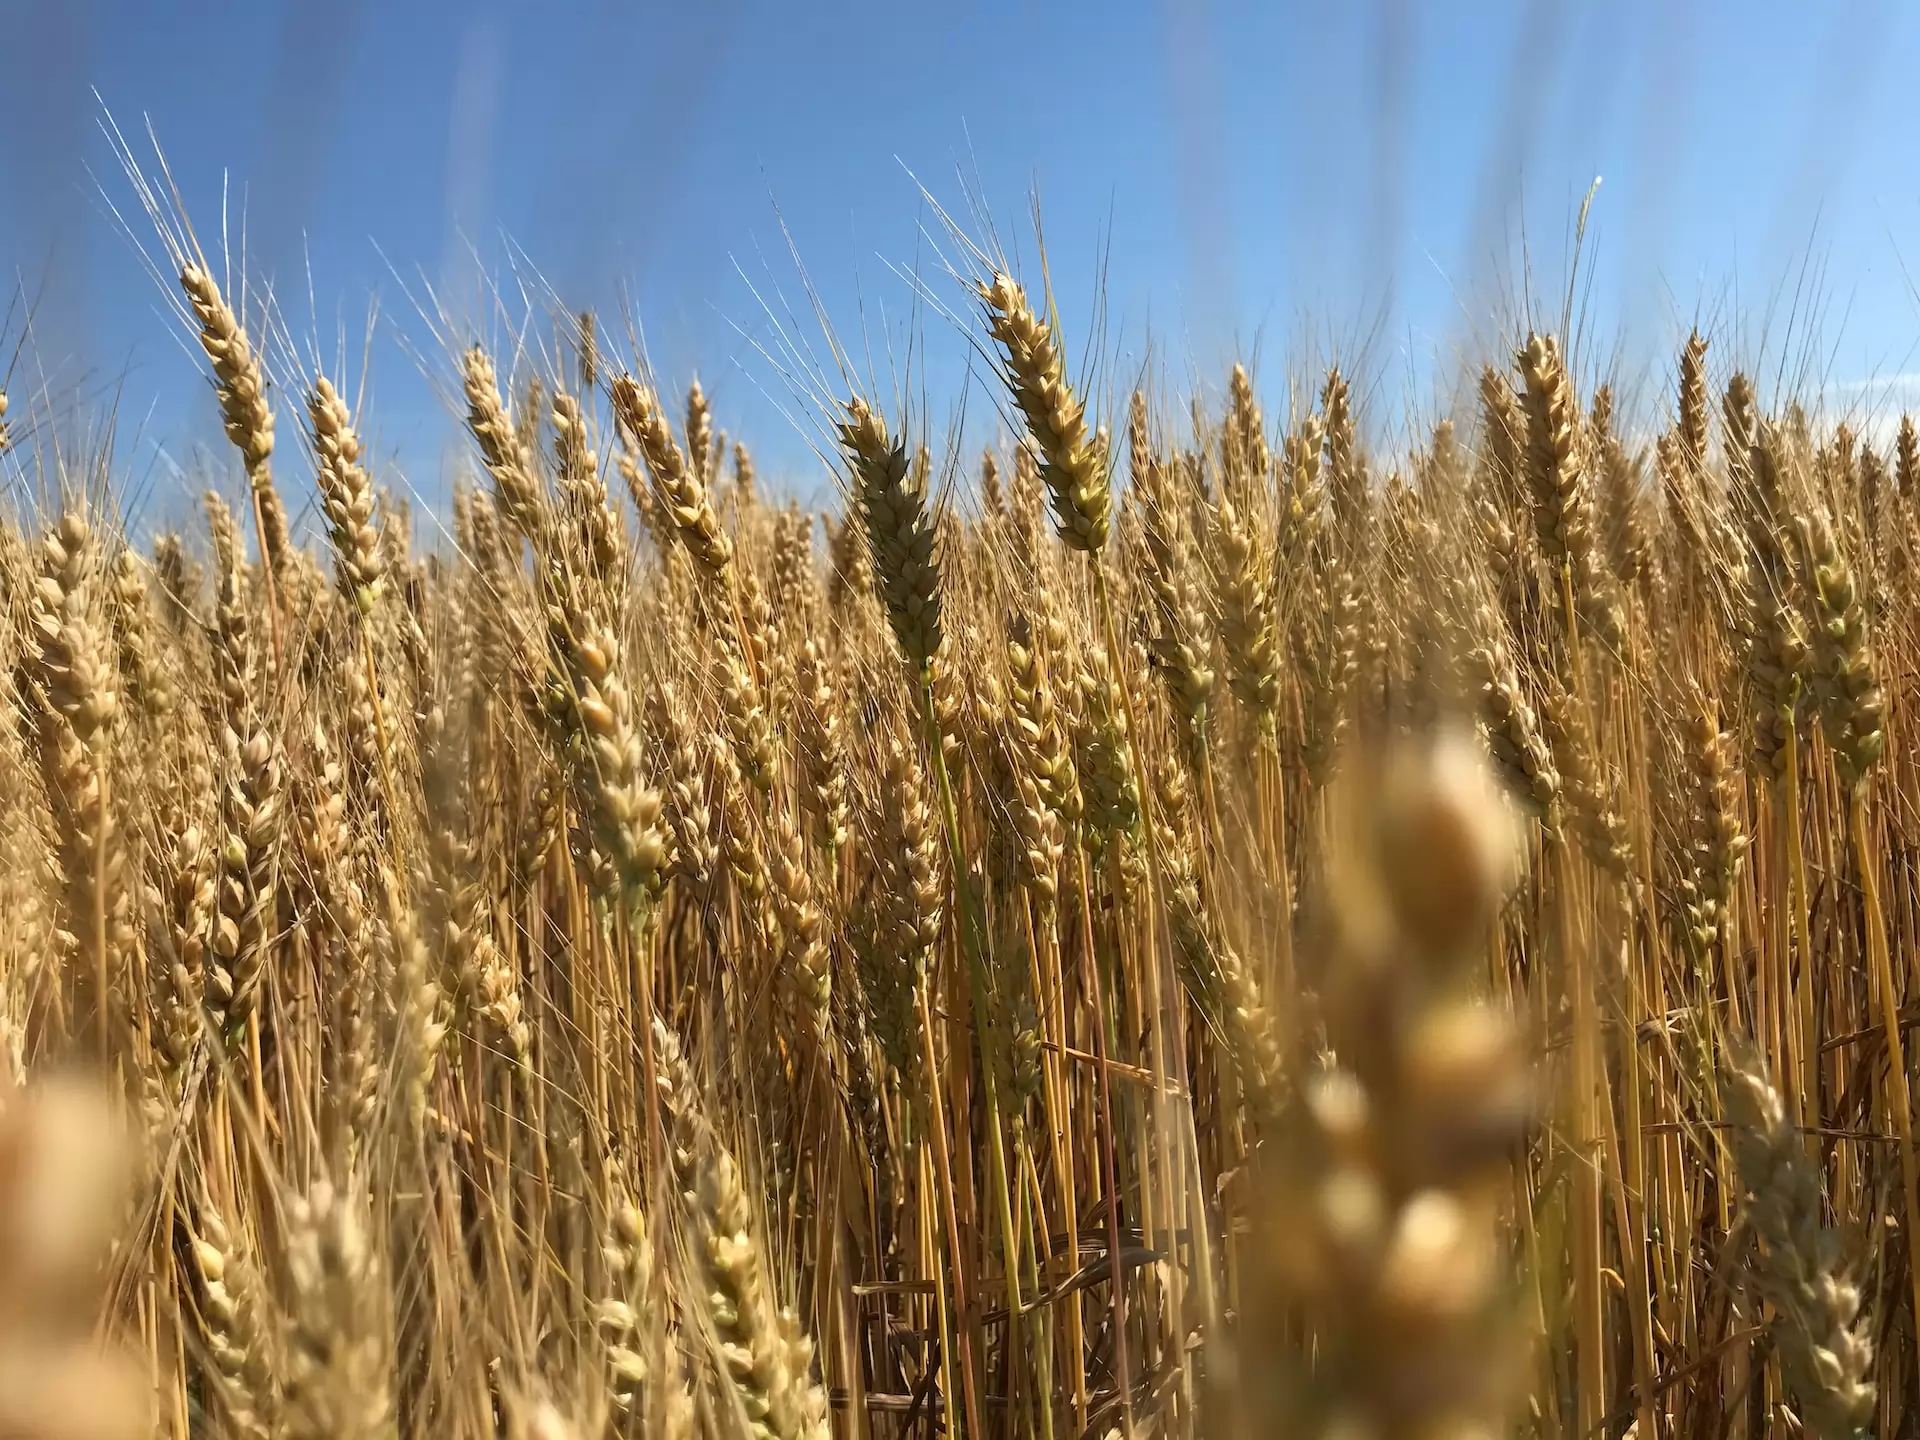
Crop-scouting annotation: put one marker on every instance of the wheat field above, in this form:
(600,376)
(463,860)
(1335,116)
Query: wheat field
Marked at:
(1195,920)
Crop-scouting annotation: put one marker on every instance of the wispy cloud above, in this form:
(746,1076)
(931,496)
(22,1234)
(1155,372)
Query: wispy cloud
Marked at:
(1873,405)
(1903,382)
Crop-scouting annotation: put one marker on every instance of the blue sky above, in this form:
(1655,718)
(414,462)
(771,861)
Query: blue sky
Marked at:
(1291,181)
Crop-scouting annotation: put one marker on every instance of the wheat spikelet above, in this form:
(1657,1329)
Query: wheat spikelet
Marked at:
(696,847)
(504,451)
(745,485)
(334,1385)
(1739,426)
(234,1327)
(644,1370)
(232,626)
(1825,1344)
(341,921)
(148,687)
(187,918)
(1512,727)
(75,678)
(252,809)
(1103,752)
(1556,480)
(1040,734)
(1622,525)
(591,711)
(179,582)
(851,576)
(740,837)
(1720,842)
(1179,648)
(1304,488)
(805,959)
(1778,656)
(1874,490)
(1503,439)
(679,488)
(583,492)
(902,544)
(1589,789)
(1253,1033)
(1346,476)
(1852,708)
(1691,424)
(1073,460)
(703,445)
(822,757)
(1026,502)
(993,496)
(76,709)
(908,857)
(1243,436)
(241,389)
(762,1352)
(748,724)
(346,497)
(794,586)
(1246,619)
(1326,645)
